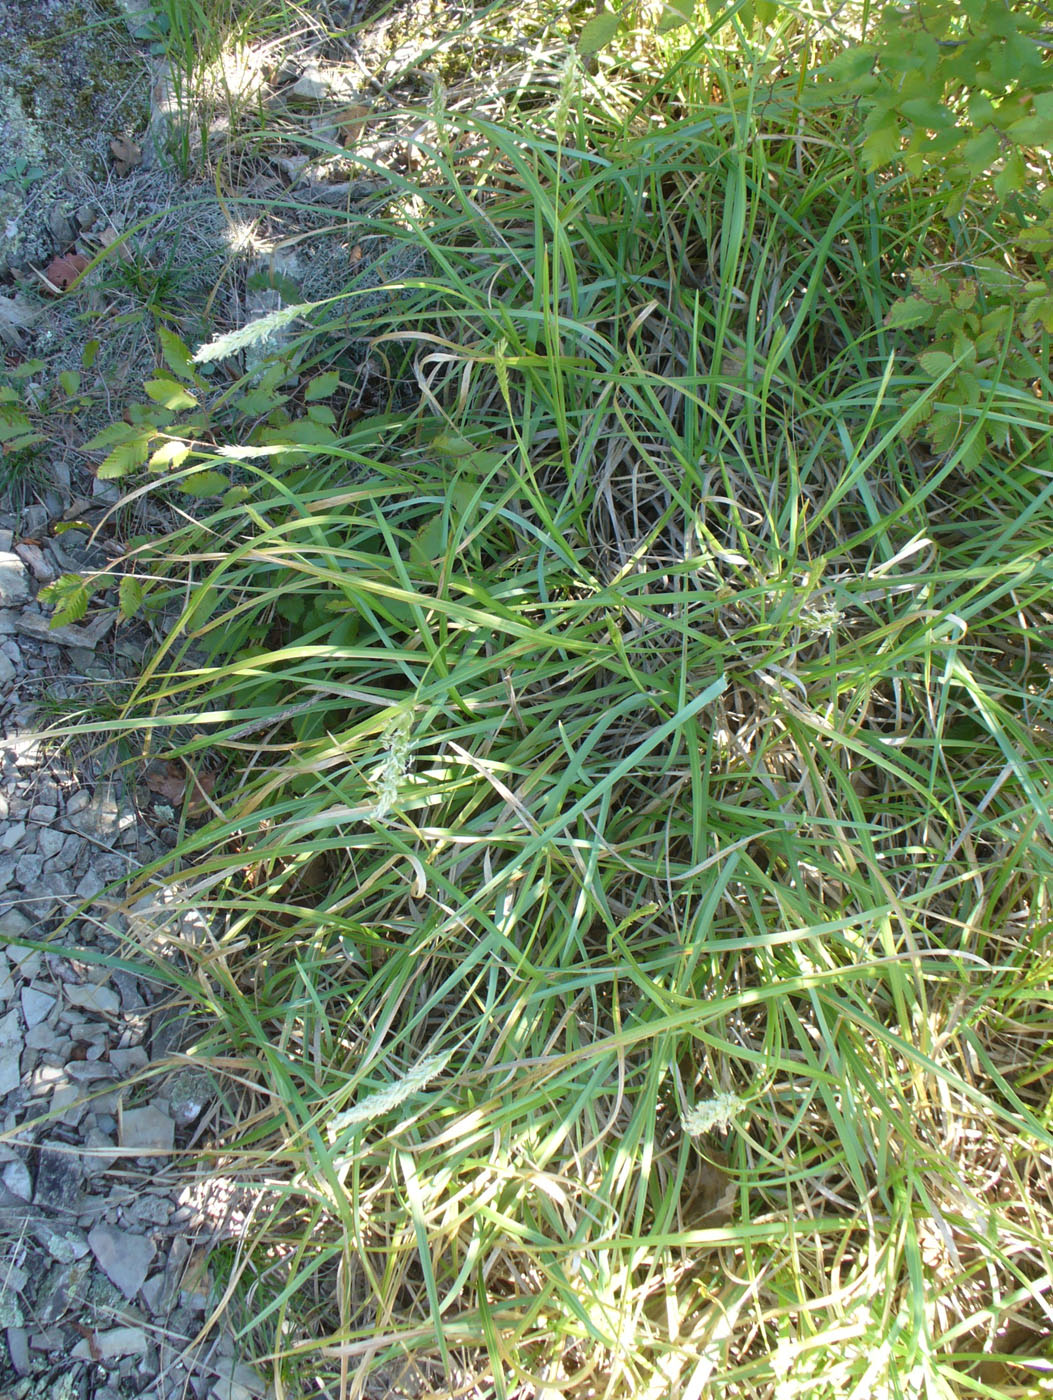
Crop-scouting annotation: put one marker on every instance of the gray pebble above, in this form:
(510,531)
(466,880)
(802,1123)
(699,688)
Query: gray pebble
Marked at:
(29,870)
(50,842)
(17,1179)
(13,833)
(58,1181)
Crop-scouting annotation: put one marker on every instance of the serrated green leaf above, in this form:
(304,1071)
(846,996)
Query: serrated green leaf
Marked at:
(322,386)
(124,458)
(69,595)
(169,394)
(965,296)
(849,66)
(258,401)
(169,456)
(176,355)
(452,445)
(980,152)
(598,32)
(70,381)
(936,362)
(942,430)
(129,596)
(113,433)
(204,484)
(236,495)
(321,413)
(1038,239)
(428,543)
(882,144)
(91,349)
(1012,177)
(908,312)
(675,14)
(13,422)
(927,112)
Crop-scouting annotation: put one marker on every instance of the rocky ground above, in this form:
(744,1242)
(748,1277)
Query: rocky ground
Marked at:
(102,1230)
(102,1234)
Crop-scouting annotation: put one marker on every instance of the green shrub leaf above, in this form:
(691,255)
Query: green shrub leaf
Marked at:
(129,596)
(205,484)
(125,457)
(322,386)
(598,32)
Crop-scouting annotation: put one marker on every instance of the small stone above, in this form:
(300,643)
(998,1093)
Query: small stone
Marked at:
(77,802)
(106,1346)
(99,1152)
(28,870)
(93,996)
(63,227)
(50,842)
(189,1092)
(127,1062)
(44,1080)
(148,1209)
(13,926)
(18,1350)
(43,813)
(90,634)
(96,818)
(128,986)
(236,1381)
(146,1130)
(7,669)
(156,1294)
(13,833)
(72,846)
(313,85)
(65,1245)
(50,1341)
(11,1314)
(88,1071)
(7,878)
(36,1005)
(10,1052)
(125,1259)
(67,1105)
(89,885)
(24,748)
(41,1037)
(14,581)
(58,1181)
(18,1181)
(106,493)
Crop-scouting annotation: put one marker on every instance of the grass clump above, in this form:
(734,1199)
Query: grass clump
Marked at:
(627,889)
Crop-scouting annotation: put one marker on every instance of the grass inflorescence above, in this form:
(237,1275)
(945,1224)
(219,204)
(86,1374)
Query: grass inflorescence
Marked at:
(627,886)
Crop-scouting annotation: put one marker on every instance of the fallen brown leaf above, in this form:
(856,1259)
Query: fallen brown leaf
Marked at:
(109,237)
(174,783)
(198,805)
(351,123)
(61,273)
(126,154)
(167,780)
